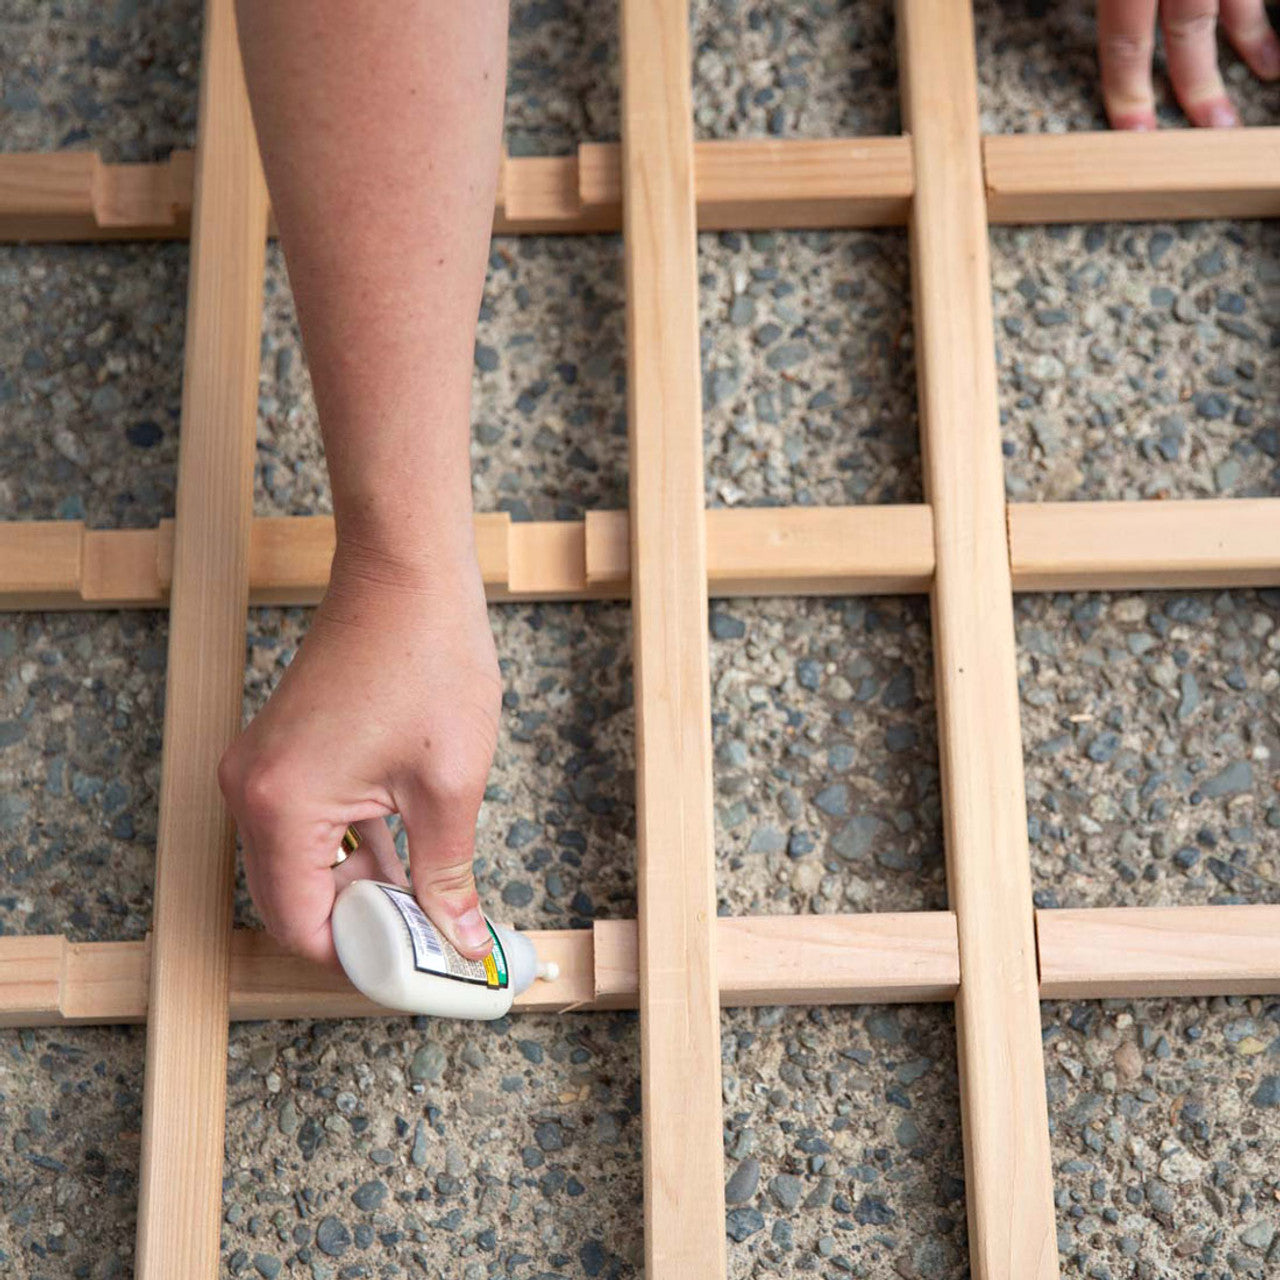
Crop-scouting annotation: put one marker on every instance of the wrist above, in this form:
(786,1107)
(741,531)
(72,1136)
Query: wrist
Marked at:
(428,557)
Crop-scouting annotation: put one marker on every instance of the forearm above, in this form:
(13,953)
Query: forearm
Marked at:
(380,124)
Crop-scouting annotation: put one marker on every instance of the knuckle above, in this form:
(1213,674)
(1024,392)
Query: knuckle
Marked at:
(1192,26)
(449,879)
(262,790)
(454,782)
(1128,51)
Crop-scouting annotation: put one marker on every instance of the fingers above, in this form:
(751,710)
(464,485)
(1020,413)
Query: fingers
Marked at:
(375,859)
(441,852)
(1191,49)
(1126,42)
(288,857)
(1252,36)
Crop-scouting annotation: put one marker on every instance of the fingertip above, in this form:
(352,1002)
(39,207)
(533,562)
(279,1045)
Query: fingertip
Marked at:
(1264,58)
(471,934)
(1133,121)
(1216,113)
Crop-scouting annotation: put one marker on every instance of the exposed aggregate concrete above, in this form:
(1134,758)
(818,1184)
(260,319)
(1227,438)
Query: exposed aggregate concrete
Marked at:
(1134,362)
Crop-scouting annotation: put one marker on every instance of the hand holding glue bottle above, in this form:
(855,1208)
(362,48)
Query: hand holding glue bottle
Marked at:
(394,955)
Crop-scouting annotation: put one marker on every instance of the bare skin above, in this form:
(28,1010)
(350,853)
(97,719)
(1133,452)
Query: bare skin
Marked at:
(380,125)
(380,128)
(1126,43)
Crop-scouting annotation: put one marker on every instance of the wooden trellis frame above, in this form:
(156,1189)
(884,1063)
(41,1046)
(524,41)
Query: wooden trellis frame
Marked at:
(990,953)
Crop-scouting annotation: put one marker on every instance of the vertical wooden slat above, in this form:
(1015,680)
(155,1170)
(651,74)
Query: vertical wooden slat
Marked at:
(679,989)
(1008,1171)
(184,1096)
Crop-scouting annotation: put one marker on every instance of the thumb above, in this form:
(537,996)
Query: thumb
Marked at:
(441,855)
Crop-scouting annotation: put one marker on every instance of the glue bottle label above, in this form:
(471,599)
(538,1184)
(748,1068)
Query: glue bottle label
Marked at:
(434,953)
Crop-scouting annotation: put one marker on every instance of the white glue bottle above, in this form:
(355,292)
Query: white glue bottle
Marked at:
(394,955)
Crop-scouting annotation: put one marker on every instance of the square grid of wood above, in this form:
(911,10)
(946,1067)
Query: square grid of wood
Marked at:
(991,953)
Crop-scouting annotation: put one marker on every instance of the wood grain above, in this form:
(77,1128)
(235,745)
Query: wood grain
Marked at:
(184,1088)
(1167,174)
(1127,546)
(675,879)
(1136,952)
(741,184)
(50,981)
(1008,1182)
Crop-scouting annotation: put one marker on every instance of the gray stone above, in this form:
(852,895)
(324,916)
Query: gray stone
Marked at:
(332,1237)
(1236,778)
(785,1190)
(743,1181)
(370,1195)
(428,1063)
(833,800)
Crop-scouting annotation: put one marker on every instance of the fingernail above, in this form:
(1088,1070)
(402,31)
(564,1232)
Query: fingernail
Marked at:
(1269,60)
(472,931)
(1222,115)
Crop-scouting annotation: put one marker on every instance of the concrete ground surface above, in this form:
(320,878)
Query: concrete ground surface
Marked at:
(1135,362)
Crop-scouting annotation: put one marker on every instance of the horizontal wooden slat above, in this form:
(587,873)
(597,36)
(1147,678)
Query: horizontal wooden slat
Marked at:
(1134,952)
(742,184)
(760,183)
(1169,174)
(760,551)
(48,981)
(1117,546)
(909,957)
(1096,953)
(72,195)
(1055,546)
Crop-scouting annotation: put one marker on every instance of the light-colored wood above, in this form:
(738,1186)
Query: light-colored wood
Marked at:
(185,1081)
(751,551)
(41,564)
(881,959)
(742,184)
(820,959)
(1008,1182)
(49,981)
(72,195)
(758,183)
(777,551)
(820,550)
(1168,174)
(1092,954)
(675,838)
(267,982)
(1122,546)
(1136,952)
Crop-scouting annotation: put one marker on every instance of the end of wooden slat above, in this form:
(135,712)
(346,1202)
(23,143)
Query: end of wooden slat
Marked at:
(106,982)
(608,548)
(164,554)
(43,564)
(600,176)
(617,963)
(573,953)
(493,550)
(289,559)
(548,561)
(31,978)
(121,569)
(540,194)
(145,199)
